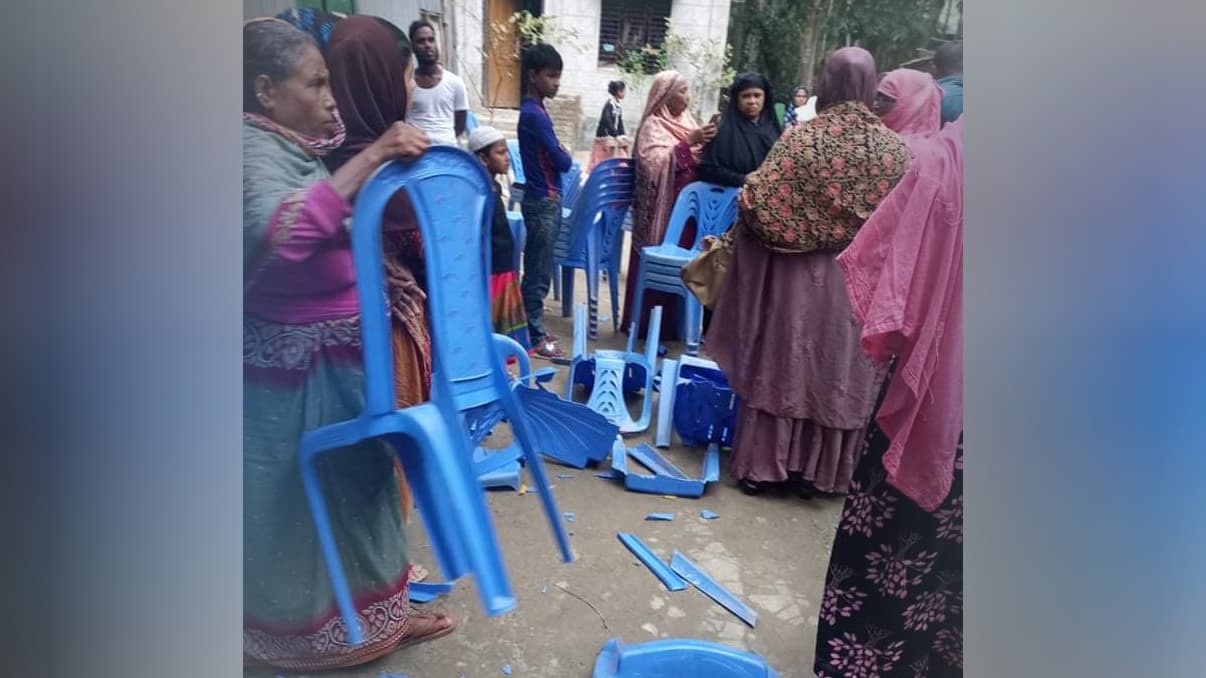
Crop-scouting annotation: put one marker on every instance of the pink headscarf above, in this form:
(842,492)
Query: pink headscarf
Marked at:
(904,274)
(658,112)
(653,148)
(918,109)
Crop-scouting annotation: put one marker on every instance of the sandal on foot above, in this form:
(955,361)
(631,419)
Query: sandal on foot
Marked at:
(418,573)
(425,626)
(548,350)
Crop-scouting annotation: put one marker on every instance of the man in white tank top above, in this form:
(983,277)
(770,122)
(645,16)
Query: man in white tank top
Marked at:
(441,103)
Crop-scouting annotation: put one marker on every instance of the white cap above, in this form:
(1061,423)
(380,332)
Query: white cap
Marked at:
(482,137)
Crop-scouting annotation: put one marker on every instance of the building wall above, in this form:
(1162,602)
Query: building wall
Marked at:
(586,78)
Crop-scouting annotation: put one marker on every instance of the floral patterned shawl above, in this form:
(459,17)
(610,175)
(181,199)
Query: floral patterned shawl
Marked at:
(823,180)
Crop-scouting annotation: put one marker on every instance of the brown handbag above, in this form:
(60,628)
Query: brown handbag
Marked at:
(706,273)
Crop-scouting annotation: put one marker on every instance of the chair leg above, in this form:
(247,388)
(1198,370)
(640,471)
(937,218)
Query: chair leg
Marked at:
(613,284)
(638,299)
(540,479)
(557,283)
(567,291)
(693,319)
(330,550)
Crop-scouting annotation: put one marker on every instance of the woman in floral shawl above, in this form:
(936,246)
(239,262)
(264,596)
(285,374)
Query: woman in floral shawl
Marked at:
(302,369)
(783,330)
(667,148)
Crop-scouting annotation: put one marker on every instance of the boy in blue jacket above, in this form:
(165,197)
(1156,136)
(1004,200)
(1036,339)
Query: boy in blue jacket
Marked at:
(544,159)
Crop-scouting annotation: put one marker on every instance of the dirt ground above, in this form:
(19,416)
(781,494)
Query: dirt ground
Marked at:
(771,550)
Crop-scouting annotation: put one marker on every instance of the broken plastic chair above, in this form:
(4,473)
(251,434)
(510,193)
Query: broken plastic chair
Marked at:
(714,209)
(591,238)
(683,567)
(450,193)
(676,657)
(610,374)
(666,478)
(566,432)
(701,406)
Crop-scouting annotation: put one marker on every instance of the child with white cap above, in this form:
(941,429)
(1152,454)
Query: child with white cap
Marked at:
(506,299)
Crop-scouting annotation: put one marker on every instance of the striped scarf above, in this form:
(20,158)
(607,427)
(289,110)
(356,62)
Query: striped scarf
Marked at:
(313,146)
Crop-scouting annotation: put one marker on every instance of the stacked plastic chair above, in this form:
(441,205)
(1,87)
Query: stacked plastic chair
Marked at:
(571,185)
(517,183)
(714,209)
(452,200)
(592,237)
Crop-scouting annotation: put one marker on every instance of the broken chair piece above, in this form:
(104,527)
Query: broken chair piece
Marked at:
(667,479)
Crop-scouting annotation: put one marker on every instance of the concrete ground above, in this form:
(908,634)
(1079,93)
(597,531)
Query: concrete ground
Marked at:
(772,551)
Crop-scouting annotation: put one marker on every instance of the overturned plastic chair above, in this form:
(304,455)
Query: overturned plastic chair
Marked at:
(714,209)
(675,657)
(452,200)
(609,374)
(591,237)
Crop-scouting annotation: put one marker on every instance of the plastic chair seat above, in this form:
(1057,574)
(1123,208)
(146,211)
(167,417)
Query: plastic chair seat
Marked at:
(714,209)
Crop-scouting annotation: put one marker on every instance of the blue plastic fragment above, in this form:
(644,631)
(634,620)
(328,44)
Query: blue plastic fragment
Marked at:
(506,669)
(569,516)
(607,475)
(660,516)
(708,515)
(565,476)
(672,581)
(676,657)
(425,592)
(689,571)
(384,674)
(667,478)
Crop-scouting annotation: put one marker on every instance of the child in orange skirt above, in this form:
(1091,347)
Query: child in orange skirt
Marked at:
(506,299)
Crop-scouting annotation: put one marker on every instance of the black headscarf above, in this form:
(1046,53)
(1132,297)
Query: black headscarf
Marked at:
(740,145)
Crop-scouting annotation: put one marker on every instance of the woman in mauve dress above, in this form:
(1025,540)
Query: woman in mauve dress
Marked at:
(783,330)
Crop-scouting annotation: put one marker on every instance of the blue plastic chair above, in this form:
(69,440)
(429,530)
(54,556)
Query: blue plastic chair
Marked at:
(675,657)
(571,185)
(592,237)
(519,179)
(471,122)
(450,192)
(714,209)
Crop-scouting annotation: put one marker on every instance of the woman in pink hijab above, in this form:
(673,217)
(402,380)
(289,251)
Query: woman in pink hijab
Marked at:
(894,590)
(667,147)
(910,103)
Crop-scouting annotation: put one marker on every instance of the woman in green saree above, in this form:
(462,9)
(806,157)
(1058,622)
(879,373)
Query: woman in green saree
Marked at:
(302,369)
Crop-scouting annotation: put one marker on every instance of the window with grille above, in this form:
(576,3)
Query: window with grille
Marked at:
(630,25)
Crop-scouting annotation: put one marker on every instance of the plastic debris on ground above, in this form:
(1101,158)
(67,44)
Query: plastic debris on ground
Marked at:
(506,669)
(708,515)
(683,567)
(672,581)
(569,516)
(607,475)
(565,476)
(666,478)
(660,516)
(425,592)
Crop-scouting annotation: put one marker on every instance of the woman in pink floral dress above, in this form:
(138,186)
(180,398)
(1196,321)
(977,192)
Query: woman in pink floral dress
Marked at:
(893,601)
